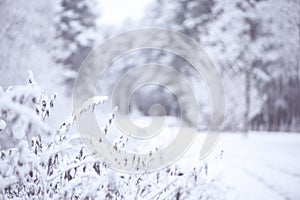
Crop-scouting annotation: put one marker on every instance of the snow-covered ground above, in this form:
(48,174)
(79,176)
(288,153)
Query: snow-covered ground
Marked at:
(259,166)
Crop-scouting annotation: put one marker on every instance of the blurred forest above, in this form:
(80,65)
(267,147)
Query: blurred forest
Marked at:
(255,44)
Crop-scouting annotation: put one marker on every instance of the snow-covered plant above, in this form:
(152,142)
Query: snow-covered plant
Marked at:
(23,136)
(36,163)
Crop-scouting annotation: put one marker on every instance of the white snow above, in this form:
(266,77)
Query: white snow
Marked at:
(2,124)
(259,166)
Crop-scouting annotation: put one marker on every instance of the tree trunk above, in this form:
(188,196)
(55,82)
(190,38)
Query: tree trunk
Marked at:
(247,98)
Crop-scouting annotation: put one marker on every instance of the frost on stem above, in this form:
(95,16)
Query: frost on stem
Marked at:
(31,78)
(2,124)
(88,105)
(111,118)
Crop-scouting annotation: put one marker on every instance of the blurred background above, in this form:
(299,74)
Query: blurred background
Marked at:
(254,43)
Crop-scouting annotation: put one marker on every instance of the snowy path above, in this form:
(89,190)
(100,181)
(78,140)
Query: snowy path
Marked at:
(261,166)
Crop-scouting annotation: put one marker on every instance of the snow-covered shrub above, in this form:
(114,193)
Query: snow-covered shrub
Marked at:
(36,163)
(23,137)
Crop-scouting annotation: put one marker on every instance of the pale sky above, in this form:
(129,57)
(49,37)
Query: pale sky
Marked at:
(114,12)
